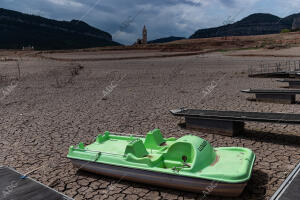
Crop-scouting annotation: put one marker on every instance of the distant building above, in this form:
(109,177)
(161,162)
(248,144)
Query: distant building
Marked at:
(296,24)
(28,48)
(144,34)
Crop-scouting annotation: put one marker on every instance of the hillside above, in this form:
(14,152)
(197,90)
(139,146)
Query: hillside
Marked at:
(166,39)
(255,24)
(18,30)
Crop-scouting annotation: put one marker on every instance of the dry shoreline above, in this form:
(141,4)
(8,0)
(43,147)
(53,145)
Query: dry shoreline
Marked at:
(53,107)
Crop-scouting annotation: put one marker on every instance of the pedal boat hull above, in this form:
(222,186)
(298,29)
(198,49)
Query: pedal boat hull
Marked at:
(189,163)
(157,179)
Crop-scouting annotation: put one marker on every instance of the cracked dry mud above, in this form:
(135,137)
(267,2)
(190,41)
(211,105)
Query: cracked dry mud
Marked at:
(50,110)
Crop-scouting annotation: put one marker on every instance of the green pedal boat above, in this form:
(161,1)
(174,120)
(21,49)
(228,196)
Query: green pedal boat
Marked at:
(189,163)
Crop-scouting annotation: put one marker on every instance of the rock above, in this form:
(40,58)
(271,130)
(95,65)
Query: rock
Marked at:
(296,24)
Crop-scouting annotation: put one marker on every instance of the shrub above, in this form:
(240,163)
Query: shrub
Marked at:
(285,30)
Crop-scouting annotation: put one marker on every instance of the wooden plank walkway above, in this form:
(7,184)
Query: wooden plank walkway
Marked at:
(12,186)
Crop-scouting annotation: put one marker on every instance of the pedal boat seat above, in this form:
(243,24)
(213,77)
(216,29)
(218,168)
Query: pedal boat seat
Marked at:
(136,152)
(189,153)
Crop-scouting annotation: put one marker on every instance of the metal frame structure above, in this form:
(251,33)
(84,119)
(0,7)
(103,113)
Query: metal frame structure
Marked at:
(290,188)
(25,188)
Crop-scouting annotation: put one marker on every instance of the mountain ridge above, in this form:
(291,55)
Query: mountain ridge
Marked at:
(18,30)
(254,24)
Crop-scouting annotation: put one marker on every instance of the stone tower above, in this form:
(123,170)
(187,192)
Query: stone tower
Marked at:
(144,40)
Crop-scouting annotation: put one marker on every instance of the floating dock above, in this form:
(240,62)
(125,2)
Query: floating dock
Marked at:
(231,123)
(274,96)
(287,74)
(293,83)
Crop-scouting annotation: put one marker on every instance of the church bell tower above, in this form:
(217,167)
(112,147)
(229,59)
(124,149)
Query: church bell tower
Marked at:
(144,40)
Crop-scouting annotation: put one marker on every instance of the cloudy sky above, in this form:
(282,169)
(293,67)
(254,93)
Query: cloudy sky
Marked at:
(124,19)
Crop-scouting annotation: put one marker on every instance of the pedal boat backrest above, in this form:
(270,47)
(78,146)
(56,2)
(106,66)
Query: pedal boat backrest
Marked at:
(136,148)
(154,140)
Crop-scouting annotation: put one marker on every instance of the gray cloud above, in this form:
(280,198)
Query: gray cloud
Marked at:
(163,18)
